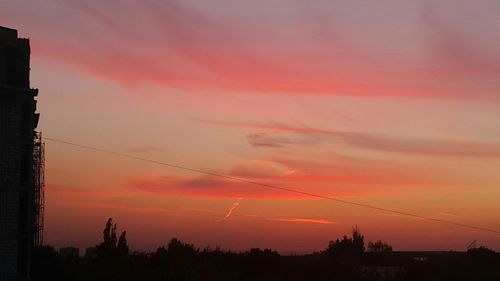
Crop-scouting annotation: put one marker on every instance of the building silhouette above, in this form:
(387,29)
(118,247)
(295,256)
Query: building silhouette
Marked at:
(21,160)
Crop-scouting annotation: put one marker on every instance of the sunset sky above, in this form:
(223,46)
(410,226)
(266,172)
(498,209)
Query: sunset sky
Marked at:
(394,104)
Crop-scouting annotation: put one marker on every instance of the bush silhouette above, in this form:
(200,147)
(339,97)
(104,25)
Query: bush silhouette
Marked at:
(379,247)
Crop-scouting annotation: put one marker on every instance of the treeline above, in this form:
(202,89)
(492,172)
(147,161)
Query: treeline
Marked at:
(345,258)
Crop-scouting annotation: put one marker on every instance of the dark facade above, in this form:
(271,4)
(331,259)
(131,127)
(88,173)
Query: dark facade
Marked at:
(19,209)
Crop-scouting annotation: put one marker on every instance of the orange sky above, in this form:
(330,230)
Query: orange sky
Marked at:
(387,103)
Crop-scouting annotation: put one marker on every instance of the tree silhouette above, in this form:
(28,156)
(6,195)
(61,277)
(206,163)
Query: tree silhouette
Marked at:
(358,241)
(109,234)
(122,247)
(343,260)
(344,256)
(347,246)
(111,246)
(379,247)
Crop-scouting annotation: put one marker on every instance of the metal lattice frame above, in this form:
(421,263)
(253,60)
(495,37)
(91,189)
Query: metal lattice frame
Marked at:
(39,186)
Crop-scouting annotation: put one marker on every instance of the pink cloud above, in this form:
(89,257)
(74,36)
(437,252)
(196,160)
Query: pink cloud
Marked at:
(372,141)
(457,54)
(339,180)
(179,45)
(207,187)
(87,193)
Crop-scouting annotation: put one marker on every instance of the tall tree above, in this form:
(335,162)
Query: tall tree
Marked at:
(358,241)
(122,246)
(112,245)
(109,235)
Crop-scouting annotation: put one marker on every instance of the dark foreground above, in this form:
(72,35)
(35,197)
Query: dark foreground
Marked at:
(180,261)
(343,259)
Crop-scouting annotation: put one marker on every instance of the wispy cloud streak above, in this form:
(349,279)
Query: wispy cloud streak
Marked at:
(303,220)
(193,46)
(372,141)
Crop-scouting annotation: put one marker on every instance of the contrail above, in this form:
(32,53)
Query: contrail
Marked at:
(302,220)
(235,204)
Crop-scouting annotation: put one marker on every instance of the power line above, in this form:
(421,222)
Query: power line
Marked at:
(271,186)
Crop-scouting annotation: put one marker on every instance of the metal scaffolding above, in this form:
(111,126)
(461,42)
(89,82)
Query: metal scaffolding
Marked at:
(39,184)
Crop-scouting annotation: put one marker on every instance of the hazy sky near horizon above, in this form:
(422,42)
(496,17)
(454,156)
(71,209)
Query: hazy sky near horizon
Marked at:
(388,103)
